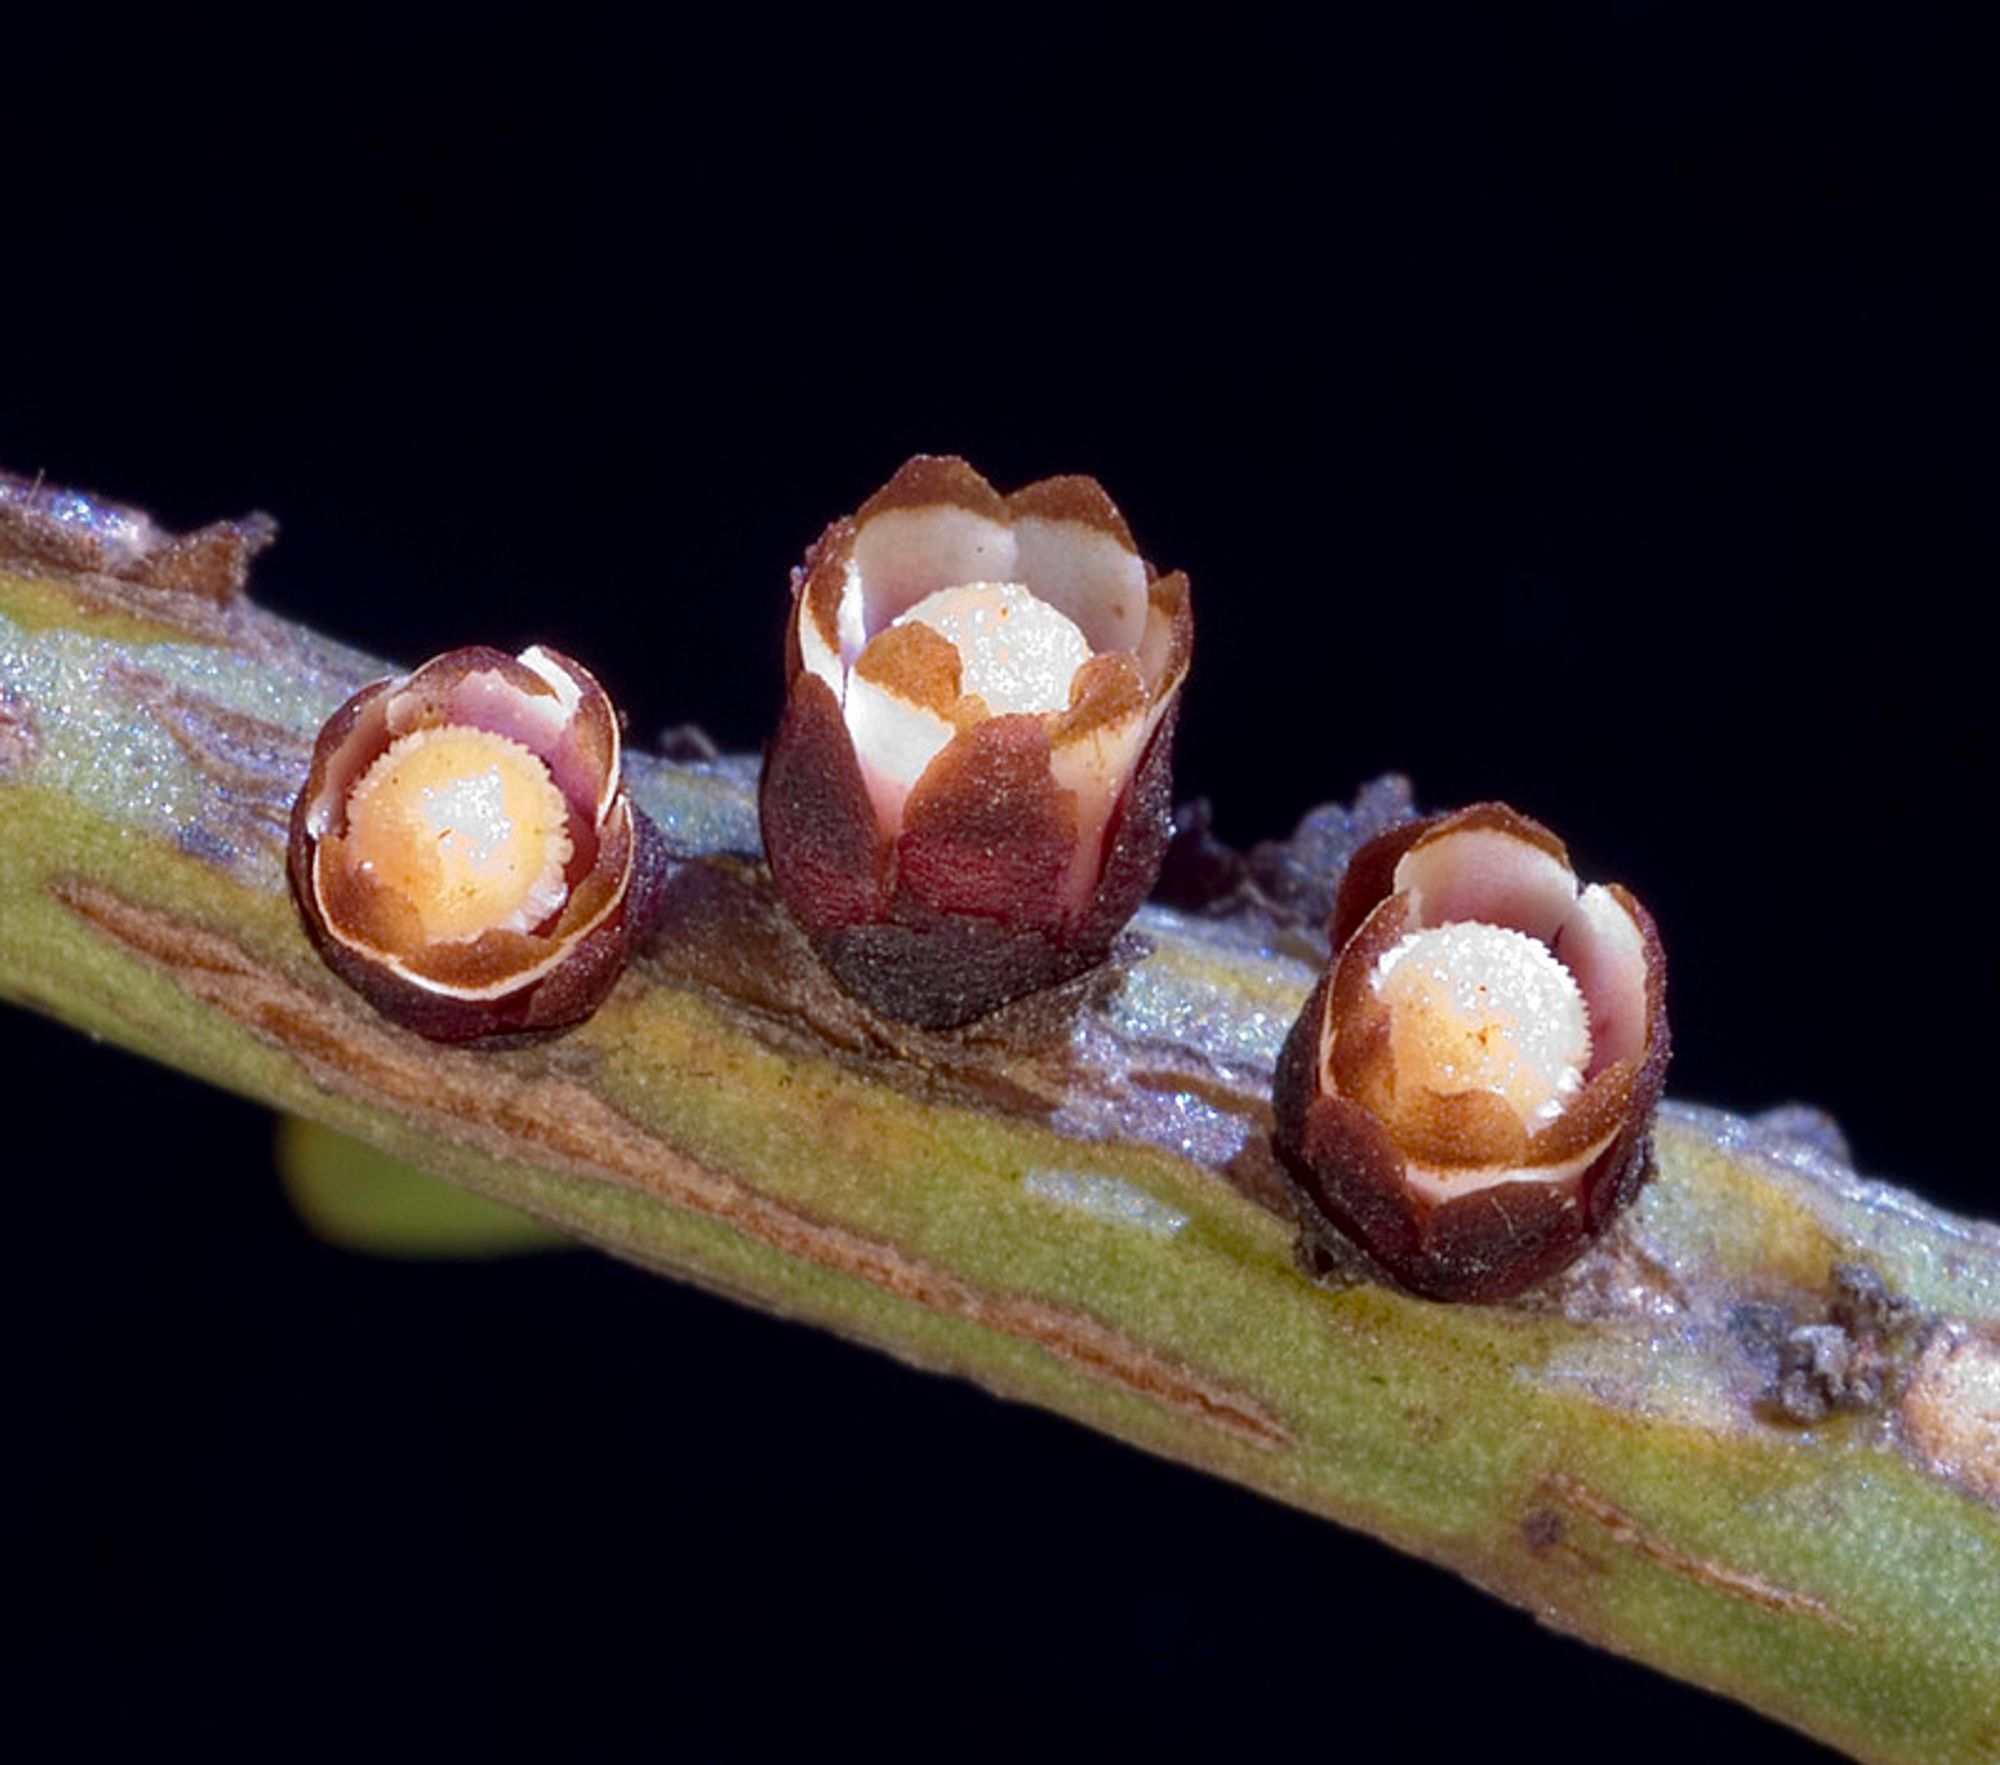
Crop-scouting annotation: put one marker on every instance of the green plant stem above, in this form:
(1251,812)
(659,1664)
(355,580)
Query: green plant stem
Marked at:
(1074,1203)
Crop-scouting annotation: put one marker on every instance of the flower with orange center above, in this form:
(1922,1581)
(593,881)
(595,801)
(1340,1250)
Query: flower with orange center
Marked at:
(1469,1092)
(967,796)
(464,853)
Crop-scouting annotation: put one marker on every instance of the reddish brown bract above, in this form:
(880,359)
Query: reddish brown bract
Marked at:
(967,796)
(1469,1092)
(464,853)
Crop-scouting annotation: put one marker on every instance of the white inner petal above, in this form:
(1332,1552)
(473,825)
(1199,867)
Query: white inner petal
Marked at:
(1490,875)
(1015,652)
(852,618)
(1089,575)
(895,741)
(568,690)
(1601,944)
(1094,767)
(902,555)
(1484,1008)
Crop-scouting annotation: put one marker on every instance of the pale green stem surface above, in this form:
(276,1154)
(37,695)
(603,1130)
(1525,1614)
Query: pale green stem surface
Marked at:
(1073,1205)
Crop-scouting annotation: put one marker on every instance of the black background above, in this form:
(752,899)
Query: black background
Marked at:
(1574,407)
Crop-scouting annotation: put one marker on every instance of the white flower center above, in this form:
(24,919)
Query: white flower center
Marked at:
(1484,1008)
(1015,651)
(467,827)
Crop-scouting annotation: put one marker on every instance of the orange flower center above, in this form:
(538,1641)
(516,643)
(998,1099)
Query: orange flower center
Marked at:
(1484,1008)
(465,826)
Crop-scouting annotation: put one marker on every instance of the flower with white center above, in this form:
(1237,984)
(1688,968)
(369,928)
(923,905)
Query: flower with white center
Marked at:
(1469,1092)
(967,796)
(464,853)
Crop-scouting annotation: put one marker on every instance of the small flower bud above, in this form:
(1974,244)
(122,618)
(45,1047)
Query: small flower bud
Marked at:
(967,796)
(464,853)
(1469,1092)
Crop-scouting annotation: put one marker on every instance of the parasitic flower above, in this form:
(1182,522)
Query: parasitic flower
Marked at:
(967,796)
(464,853)
(1470,1089)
